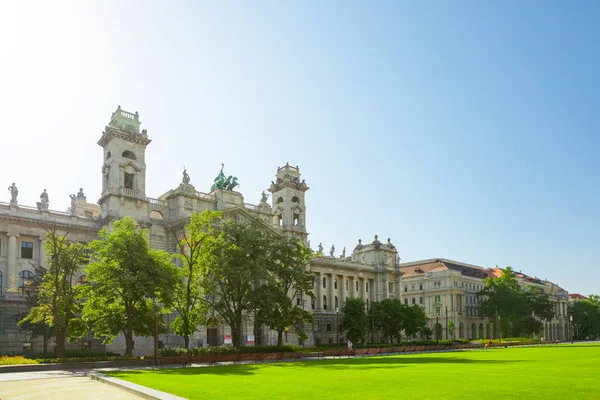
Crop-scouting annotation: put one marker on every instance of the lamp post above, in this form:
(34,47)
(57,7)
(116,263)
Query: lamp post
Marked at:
(155,333)
(337,326)
(437,323)
(446,322)
(571,327)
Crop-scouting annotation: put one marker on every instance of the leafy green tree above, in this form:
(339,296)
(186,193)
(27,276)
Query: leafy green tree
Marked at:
(389,315)
(31,300)
(451,329)
(125,278)
(236,261)
(57,295)
(586,318)
(354,320)
(189,300)
(415,320)
(518,311)
(287,278)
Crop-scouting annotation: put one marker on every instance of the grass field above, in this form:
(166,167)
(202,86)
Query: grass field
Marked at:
(549,372)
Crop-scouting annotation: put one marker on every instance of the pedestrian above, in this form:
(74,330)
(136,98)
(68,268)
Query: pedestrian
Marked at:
(349,345)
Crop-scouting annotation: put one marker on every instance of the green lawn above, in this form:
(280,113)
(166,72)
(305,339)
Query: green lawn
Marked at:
(549,372)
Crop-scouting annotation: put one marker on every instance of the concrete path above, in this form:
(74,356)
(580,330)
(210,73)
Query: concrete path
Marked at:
(71,388)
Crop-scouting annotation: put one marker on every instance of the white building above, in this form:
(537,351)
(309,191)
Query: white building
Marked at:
(446,289)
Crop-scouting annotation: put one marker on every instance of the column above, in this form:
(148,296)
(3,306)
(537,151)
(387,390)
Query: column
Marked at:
(330,295)
(12,276)
(352,286)
(361,284)
(319,294)
(342,291)
(42,260)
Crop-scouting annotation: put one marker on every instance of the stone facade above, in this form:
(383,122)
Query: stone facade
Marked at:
(372,271)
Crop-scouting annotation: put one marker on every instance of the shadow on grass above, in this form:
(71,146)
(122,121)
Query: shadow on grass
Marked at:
(337,364)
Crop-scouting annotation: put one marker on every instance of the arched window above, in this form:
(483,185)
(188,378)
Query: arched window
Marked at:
(336,303)
(473,331)
(481,336)
(156,214)
(324,302)
(25,278)
(295,199)
(128,154)
(280,200)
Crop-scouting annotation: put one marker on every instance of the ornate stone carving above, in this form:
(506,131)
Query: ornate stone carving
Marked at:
(320,249)
(14,192)
(344,253)
(332,251)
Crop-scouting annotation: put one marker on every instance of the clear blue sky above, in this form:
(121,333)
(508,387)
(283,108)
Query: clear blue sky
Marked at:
(466,130)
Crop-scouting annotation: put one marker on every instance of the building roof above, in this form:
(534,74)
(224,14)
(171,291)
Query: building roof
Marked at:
(577,296)
(419,268)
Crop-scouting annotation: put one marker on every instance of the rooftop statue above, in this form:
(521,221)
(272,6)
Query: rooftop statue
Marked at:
(264,197)
(73,203)
(332,251)
(14,192)
(44,201)
(80,195)
(221,182)
(186,177)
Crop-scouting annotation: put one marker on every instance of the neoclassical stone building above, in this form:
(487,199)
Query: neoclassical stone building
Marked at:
(445,289)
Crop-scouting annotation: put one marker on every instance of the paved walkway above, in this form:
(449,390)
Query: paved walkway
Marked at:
(74,387)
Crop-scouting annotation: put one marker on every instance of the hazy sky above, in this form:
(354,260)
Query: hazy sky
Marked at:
(466,130)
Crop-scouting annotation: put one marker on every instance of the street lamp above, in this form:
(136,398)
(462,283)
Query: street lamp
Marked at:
(571,327)
(337,325)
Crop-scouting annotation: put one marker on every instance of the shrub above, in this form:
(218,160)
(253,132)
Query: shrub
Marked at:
(15,360)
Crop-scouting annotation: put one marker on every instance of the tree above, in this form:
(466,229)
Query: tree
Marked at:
(518,311)
(236,261)
(451,329)
(415,321)
(57,295)
(288,277)
(354,320)
(586,318)
(189,301)
(125,278)
(31,300)
(389,315)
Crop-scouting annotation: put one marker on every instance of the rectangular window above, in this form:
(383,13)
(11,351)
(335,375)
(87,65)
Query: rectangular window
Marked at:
(357,286)
(312,303)
(405,288)
(437,311)
(367,285)
(26,250)
(412,288)
(437,298)
(420,300)
(128,181)
(335,283)
(317,325)
(346,284)
(420,286)
(413,301)
(328,326)
(299,300)
(405,300)
(324,283)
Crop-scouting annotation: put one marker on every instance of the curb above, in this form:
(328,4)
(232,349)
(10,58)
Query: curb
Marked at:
(138,390)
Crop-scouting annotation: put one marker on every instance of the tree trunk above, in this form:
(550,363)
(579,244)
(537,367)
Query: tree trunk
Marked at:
(279,338)
(60,343)
(129,343)
(45,336)
(186,339)
(129,336)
